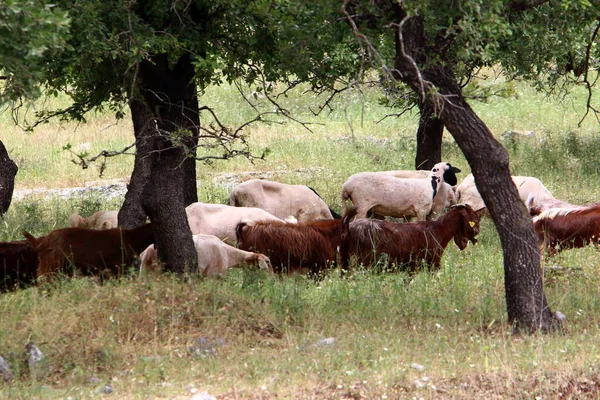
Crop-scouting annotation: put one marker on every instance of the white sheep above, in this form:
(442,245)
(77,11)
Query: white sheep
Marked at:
(98,220)
(214,257)
(528,187)
(382,194)
(281,200)
(221,220)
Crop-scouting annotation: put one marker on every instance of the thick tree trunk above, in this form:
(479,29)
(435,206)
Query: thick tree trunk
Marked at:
(170,93)
(8,171)
(525,298)
(429,139)
(131,213)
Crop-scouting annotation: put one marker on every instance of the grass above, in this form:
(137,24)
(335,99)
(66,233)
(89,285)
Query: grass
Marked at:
(442,334)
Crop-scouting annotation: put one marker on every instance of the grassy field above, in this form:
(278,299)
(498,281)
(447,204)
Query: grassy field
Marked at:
(250,336)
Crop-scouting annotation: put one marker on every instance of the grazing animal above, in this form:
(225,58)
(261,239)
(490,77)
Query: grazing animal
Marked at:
(18,265)
(92,251)
(562,228)
(98,220)
(382,194)
(215,257)
(220,220)
(528,187)
(281,200)
(408,245)
(293,248)
(536,206)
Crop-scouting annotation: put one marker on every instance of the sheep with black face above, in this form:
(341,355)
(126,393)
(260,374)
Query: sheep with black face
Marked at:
(374,193)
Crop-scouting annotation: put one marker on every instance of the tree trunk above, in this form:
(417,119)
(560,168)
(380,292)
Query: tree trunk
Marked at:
(525,298)
(131,213)
(429,139)
(8,171)
(170,93)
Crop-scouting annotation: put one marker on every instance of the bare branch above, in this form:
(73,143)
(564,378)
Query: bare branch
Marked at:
(586,80)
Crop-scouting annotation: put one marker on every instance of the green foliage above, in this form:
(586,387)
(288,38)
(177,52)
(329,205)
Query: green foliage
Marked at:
(31,32)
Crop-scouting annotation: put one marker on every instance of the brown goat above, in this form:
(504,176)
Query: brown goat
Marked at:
(93,251)
(560,228)
(408,245)
(292,248)
(18,265)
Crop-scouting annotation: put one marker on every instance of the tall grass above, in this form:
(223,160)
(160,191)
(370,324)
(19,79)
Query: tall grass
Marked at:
(441,334)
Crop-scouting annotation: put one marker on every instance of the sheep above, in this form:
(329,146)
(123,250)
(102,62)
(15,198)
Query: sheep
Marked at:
(220,220)
(293,248)
(536,206)
(215,257)
(281,200)
(98,220)
(382,194)
(18,265)
(528,187)
(93,251)
(562,228)
(408,245)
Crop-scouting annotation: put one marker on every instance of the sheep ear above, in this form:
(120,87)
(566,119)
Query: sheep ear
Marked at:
(450,177)
(434,185)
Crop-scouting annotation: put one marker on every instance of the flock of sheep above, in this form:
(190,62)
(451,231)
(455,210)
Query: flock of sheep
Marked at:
(290,229)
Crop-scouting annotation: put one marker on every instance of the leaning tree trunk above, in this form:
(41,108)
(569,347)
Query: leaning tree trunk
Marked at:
(171,95)
(525,298)
(429,138)
(131,213)
(8,171)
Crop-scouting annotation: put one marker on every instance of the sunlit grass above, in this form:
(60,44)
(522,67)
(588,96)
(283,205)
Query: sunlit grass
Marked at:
(442,334)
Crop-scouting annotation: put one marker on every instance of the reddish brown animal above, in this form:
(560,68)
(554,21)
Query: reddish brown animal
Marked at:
(563,228)
(408,245)
(92,251)
(292,248)
(18,265)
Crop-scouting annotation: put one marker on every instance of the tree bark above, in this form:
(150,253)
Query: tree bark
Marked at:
(429,139)
(526,302)
(525,299)
(8,171)
(170,94)
(131,213)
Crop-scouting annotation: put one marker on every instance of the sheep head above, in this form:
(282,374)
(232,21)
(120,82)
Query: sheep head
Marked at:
(446,171)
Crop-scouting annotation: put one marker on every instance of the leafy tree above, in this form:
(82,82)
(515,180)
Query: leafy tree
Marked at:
(155,56)
(434,46)
(29,32)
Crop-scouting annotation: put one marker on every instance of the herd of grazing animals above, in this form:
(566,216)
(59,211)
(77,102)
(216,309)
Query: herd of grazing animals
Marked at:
(290,229)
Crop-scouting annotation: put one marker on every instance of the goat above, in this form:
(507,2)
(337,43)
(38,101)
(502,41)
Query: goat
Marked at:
(408,245)
(215,257)
(383,194)
(293,248)
(221,220)
(18,265)
(98,220)
(562,228)
(528,187)
(91,250)
(281,200)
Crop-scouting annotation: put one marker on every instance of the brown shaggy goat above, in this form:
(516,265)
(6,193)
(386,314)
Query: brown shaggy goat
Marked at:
(93,251)
(560,228)
(408,245)
(292,248)
(18,265)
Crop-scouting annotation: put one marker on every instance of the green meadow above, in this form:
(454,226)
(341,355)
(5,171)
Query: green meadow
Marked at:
(367,335)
